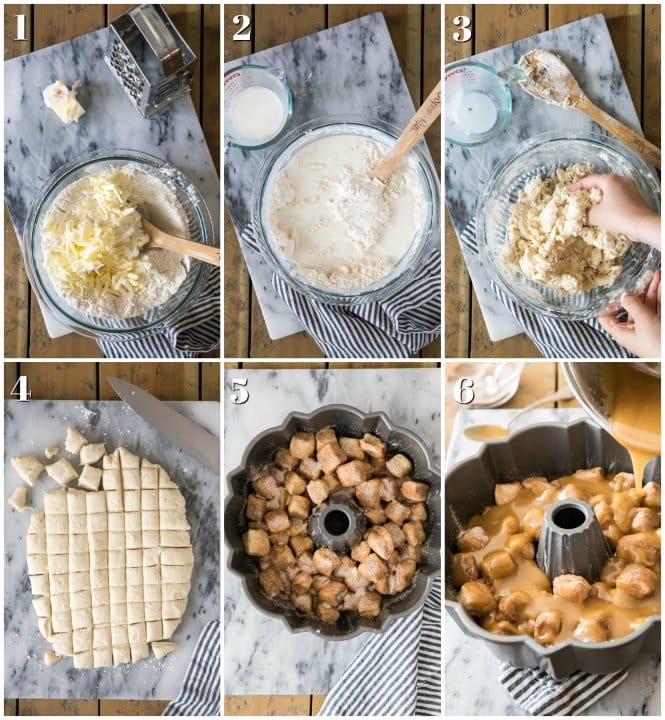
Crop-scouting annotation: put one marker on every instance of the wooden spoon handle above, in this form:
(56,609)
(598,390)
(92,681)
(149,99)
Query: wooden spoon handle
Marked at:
(427,113)
(630,137)
(205,253)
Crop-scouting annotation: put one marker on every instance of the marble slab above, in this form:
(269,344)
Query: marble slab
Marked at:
(261,657)
(586,47)
(29,428)
(37,143)
(347,69)
(471,664)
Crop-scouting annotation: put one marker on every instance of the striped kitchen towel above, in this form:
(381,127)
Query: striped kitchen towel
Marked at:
(554,338)
(539,694)
(398,326)
(200,693)
(188,335)
(397,672)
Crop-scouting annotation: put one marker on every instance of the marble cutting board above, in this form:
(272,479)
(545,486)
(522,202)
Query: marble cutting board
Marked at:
(29,428)
(261,657)
(37,143)
(586,47)
(471,664)
(351,68)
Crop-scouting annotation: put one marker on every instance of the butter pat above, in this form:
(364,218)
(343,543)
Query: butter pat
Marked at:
(59,98)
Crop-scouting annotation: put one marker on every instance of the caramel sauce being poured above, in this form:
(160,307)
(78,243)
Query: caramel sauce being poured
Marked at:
(633,408)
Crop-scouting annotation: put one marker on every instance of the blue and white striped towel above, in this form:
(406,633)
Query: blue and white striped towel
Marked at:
(554,338)
(397,672)
(539,694)
(399,326)
(187,336)
(200,694)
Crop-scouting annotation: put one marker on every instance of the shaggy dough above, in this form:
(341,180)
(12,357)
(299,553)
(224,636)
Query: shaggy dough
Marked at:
(549,241)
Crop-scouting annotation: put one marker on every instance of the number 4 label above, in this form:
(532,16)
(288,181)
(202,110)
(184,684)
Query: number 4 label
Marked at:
(20,389)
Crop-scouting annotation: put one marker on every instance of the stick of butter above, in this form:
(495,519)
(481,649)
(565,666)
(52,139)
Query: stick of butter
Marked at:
(59,98)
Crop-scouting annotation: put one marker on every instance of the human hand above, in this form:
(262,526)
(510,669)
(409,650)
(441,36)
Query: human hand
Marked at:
(640,334)
(622,209)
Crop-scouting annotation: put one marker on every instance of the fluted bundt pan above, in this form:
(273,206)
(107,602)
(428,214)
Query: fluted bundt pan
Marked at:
(347,421)
(552,451)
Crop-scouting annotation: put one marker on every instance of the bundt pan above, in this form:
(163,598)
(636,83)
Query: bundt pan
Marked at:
(549,450)
(348,421)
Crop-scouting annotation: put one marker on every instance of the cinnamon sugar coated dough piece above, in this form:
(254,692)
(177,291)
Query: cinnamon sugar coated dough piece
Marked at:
(107,570)
(550,242)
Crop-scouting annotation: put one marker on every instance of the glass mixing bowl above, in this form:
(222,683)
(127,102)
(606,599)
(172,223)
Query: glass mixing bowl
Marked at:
(411,262)
(540,156)
(200,230)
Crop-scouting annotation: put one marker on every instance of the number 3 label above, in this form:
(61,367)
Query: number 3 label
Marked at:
(464,23)
(240,394)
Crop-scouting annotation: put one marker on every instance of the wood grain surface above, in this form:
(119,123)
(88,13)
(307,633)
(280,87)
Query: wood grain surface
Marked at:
(25,332)
(415,31)
(87,381)
(635,32)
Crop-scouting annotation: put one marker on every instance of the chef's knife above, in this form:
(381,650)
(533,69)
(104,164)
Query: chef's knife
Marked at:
(183,433)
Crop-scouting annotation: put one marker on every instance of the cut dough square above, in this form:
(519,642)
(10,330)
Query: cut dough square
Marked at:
(82,619)
(81,599)
(57,564)
(74,441)
(112,460)
(121,655)
(116,522)
(59,583)
(136,633)
(175,591)
(153,610)
(176,573)
(61,623)
(78,525)
(127,460)
(37,523)
(28,468)
(171,500)
(132,500)
(163,648)
(79,562)
(58,544)
(84,660)
(98,522)
(90,477)
(101,614)
(139,651)
(131,479)
(169,626)
(149,476)
(112,479)
(38,564)
(60,603)
(39,584)
(57,524)
(132,521)
(173,520)
(177,556)
(62,642)
(152,576)
(99,559)
(91,453)
(117,543)
(95,502)
(117,577)
(45,626)
(116,557)
(164,479)
(174,538)
(51,452)
(149,520)
(150,499)
(36,544)
(75,502)
(101,636)
(173,609)
(134,558)
(114,502)
(82,639)
(154,630)
(151,556)
(102,657)
(119,635)
(100,596)
(62,472)
(99,579)
(56,502)
(19,499)
(150,539)
(135,593)
(79,581)
(118,610)
(135,612)
(134,576)
(98,541)
(133,539)
(152,592)
(42,606)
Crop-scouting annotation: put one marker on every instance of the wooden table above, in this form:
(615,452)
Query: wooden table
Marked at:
(25,332)
(87,381)
(416,34)
(635,31)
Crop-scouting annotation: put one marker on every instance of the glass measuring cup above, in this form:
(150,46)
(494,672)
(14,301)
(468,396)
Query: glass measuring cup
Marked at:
(271,100)
(478,103)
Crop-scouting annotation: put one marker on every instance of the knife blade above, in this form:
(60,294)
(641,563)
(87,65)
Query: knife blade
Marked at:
(182,432)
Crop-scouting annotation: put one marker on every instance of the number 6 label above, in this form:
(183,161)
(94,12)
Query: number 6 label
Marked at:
(463,392)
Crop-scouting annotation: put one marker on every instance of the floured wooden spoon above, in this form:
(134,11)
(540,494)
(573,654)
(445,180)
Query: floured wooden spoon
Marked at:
(549,79)
(164,241)
(426,114)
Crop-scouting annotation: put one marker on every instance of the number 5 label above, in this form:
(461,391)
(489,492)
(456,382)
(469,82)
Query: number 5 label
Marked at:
(240,394)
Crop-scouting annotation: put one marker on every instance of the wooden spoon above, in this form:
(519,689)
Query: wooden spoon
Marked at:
(427,113)
(164,241)
(549,79)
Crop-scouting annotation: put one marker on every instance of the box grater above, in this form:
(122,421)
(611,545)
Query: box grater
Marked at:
(149,58)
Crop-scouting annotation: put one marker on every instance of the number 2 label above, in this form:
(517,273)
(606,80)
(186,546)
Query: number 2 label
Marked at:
(244,33)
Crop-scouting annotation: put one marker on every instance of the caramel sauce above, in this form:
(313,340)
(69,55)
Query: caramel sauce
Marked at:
(483,433)
(633,408)
(610,613)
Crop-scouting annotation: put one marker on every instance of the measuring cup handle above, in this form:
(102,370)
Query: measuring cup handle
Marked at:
(157,35)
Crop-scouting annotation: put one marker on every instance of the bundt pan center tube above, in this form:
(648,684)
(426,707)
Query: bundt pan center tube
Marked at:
(550,450)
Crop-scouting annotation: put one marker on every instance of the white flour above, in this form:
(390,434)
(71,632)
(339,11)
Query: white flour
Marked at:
(92,237)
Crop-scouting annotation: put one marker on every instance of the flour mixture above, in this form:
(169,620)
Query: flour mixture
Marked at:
(342,229)
(93,239)
(548,238)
